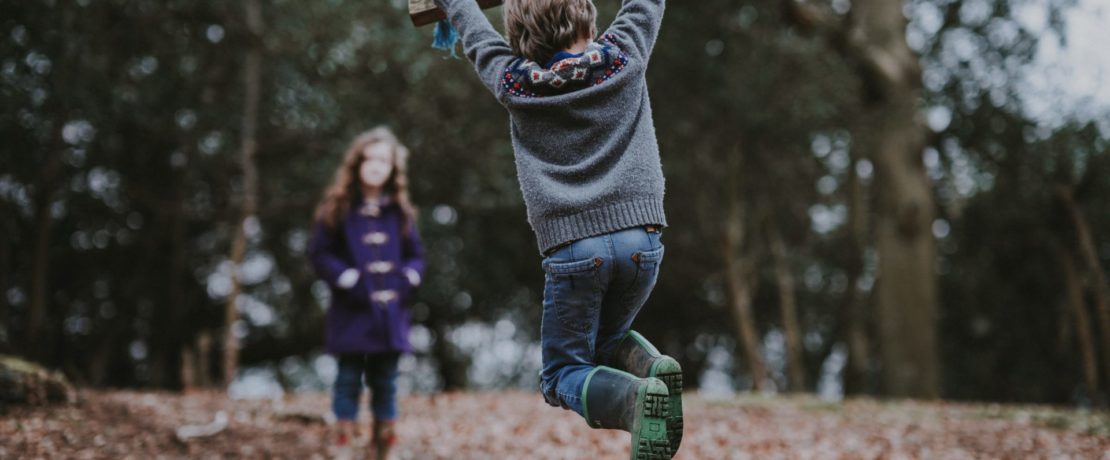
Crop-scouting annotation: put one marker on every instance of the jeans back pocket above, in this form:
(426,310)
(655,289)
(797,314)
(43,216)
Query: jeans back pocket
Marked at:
(575,289)
(643,281)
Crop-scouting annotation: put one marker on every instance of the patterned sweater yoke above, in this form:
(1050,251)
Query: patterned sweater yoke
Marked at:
(601,60)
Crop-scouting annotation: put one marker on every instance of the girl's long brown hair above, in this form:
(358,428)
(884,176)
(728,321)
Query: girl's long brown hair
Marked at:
(346,186)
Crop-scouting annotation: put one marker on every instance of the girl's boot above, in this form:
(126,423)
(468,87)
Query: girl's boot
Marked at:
(382,439)
(618,400)
(341,448)
(634,354)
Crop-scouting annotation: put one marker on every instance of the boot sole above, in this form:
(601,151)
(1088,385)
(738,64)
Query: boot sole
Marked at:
(668,370)
(650,439)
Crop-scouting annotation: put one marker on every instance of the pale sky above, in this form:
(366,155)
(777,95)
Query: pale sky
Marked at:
(1072,78)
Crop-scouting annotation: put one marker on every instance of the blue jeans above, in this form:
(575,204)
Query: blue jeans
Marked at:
(593,290)
(380,371)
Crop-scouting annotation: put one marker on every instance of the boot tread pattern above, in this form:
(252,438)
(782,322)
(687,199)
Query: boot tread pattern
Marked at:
(652,449)
(656,405)
(651,440)
(674,421)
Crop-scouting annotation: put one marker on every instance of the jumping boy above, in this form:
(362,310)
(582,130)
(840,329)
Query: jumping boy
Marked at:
(589,168)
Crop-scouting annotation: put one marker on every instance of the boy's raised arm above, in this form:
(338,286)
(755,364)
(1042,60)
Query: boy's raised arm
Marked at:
(637,25)
(482,44)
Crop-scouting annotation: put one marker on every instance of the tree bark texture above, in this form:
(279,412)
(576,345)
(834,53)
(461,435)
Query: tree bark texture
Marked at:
(874,40)
(1078,308)
(1096,278)
(853,311)
(252,85)
(907,290)
(739,274)
(784,279)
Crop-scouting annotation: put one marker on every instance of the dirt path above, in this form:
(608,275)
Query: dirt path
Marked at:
(515,425)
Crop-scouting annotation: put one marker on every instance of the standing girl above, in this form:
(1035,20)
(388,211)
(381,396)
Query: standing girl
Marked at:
(366,248)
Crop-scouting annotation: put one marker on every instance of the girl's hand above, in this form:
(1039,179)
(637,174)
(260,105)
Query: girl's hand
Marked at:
(348,278)
(413,276)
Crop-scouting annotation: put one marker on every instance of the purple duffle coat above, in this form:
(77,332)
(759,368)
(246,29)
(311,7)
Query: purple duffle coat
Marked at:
(373,316)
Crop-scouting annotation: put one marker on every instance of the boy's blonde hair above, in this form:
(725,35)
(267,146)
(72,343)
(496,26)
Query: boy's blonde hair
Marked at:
(538,29)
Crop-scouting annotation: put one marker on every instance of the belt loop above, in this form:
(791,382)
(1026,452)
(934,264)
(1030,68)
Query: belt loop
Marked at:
(556,248)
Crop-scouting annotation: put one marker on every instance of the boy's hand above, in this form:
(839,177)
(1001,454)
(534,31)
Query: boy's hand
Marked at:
(424,12)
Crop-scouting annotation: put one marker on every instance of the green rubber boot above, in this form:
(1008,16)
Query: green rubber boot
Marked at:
(639,357)
(618,400)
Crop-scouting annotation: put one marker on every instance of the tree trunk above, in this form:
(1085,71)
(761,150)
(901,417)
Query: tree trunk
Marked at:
(738,271)
(37,340)
(453,364)
(5,309)
(252,84)
(100,361)
(788,304)
(203,367)
(167,346)
(188,369)
(104,357)
(853,317)
(906,294)
(174,345)
(1078,309)
(1096,278)
(874,40)
(907,291)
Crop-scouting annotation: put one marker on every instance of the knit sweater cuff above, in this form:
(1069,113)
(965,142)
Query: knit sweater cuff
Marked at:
(553,231)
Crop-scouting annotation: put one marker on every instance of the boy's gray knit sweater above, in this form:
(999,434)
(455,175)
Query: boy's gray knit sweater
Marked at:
(586,154)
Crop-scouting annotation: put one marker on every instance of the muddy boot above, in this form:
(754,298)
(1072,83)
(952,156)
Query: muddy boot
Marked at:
(634,354)
(618,400)
(382,439)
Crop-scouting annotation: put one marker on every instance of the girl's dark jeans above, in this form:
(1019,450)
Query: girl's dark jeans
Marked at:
(380,373)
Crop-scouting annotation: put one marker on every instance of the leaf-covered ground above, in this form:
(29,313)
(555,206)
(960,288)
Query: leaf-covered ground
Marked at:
(515,425)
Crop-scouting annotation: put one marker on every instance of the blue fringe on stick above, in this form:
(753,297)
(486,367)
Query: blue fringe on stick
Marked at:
(446,37)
